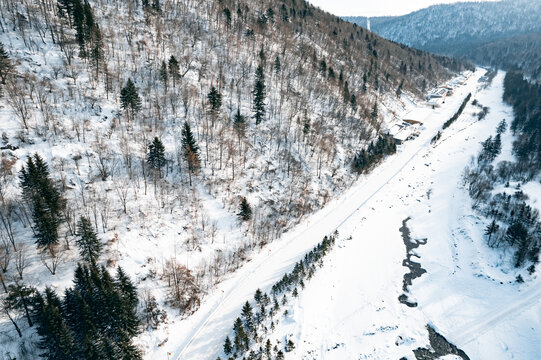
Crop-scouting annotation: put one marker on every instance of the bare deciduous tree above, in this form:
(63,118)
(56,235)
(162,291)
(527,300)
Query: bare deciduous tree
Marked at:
(21,260)
(17,98)
(183,290)
(51,257)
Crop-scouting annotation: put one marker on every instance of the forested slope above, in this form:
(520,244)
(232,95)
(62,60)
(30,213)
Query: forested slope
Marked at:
(171,138)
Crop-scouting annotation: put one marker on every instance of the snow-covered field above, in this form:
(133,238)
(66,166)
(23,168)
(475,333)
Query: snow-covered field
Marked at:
(350,310)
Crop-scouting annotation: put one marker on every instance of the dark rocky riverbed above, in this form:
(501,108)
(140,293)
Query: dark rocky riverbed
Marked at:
(439,346)
(415,269)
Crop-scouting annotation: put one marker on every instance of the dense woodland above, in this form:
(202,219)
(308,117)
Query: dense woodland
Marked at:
(139,133)
(514,223)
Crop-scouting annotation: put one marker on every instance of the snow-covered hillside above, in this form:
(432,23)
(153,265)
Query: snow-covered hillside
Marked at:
(468,293)
(327,89)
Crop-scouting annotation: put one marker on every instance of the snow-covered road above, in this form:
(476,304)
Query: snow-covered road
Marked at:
(201,335)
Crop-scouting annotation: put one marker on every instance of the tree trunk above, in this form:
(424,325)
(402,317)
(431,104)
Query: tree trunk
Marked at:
(13,322)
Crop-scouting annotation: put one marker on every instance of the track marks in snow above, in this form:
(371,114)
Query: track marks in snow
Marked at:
(471,331)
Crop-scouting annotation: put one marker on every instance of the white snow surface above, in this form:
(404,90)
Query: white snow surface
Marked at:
(350,310)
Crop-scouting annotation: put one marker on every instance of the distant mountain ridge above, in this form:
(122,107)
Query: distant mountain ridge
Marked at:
(505,33)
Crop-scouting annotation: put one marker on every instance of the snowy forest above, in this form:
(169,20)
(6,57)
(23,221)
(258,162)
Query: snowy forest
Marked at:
(496,187)
(148,147)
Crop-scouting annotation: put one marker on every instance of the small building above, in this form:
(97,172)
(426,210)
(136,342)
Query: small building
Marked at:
(417,116)
(449,89)
(438,93)
(393,130)
(401,132)
(403,135)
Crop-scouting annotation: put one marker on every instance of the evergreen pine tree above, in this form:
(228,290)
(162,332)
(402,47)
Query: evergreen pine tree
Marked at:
(129,321)
(164,76)
(5,64)
(111,351)
(88,243)
(98,314)
(227,14)
(191,150)
(522,251)
(258,296)
(91,348)
(502,127)
(239,124)
(268,349)
(79,24)
(491,229)
(331,73)
(240,335)
(516,233)
(245,210)
(127,349)
(277,65)
(248,317)
(290,345)
(129,98)
(259,96)
(156,154)
(156,6)
(346,93)
(77,315)
(96,53)
(497,146)
(126,288)
(174,69)
(44,198)
(353,101)
(323,67)
(228,347)
(56,339)
(89,21)
(374,113)
(215,101)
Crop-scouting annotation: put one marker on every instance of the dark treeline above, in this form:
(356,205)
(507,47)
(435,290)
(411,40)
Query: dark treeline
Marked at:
(458,113)
(96,318)
(525,98)
(513,223)
(454,118)
(365,159)
(251,328)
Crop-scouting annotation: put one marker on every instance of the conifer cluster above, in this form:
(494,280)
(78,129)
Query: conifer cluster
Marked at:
(96,318)
(249,329)
(44,198)
(365,159)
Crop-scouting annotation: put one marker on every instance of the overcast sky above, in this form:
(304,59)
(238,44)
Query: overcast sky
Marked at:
(375,7)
